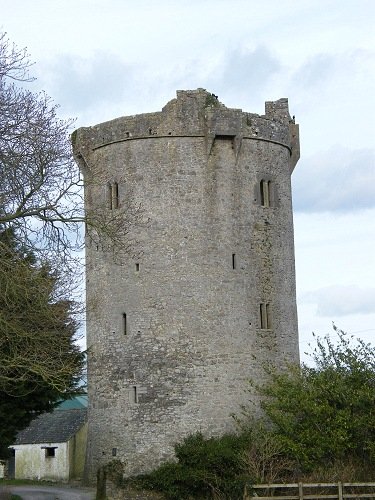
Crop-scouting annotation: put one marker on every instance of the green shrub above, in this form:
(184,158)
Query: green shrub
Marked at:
(324,414)
(205,468)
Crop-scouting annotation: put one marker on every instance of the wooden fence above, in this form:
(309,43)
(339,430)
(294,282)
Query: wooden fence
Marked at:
(309,491)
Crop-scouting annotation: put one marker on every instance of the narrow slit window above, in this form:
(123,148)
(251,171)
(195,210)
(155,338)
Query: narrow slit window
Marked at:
(137,266)
(234,261)
(124,324)
(135,394)
(112,195)
(265,316)
(114,452)
(265,193)
(115,195)
(262,316)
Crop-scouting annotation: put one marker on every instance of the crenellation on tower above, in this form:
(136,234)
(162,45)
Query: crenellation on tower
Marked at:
(175,334)
(193,114)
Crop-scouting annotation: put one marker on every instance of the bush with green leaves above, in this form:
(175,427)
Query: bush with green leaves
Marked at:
(205,468)
(326,413)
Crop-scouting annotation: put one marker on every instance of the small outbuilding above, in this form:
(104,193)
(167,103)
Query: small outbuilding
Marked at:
(52,447)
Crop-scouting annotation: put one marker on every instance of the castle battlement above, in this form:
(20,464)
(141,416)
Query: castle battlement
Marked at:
(199,113)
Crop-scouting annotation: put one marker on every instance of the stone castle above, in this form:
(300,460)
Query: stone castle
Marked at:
(179,326)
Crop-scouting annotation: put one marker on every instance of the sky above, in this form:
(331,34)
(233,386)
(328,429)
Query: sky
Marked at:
(100,59)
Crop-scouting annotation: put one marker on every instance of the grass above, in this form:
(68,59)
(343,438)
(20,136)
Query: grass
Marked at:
(21,482)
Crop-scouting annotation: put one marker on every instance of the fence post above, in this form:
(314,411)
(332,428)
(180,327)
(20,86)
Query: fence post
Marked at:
(245,493)
(300,491)
(101,475)
(339,484)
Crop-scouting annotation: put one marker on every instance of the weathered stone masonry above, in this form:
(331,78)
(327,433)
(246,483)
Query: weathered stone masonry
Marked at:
(175,333)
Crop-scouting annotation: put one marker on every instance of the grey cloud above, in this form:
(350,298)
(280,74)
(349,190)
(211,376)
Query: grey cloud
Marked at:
(337,301)
(337,180)
(244,71)
(79,83)
(315,70)
(340,68)
(249,69)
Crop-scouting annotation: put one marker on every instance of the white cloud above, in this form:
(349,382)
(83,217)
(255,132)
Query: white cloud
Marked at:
(246,70)
(337,301)
(337,180)
(78,83)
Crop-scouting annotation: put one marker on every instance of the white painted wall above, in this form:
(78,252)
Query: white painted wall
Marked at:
(2,469)
(32,462)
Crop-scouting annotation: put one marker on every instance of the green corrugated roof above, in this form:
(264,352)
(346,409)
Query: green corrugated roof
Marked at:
(75,403)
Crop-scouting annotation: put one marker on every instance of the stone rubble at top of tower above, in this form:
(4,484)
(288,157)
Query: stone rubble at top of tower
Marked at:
(196,113)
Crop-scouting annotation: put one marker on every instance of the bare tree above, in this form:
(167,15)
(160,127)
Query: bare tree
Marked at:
(40,183)
(41,189)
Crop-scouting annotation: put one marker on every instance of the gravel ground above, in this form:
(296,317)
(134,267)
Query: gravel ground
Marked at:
(35,492)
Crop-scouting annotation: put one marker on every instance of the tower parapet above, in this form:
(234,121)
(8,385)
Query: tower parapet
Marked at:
(197,113)
(176,330)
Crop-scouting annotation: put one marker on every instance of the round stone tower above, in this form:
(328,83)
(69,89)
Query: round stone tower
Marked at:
(178,326)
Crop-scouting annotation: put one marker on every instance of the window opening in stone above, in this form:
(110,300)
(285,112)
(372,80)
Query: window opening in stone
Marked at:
(115,195)
(265,188)
(265,316)
(234,261)
(114,452)
(226,138)
(112,195)
(135,394)
(137,266)
(261,311)
(124,324)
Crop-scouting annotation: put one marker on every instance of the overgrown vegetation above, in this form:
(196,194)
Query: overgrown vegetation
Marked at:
(324,414)
(205,468)
(212,101)
(318,425)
